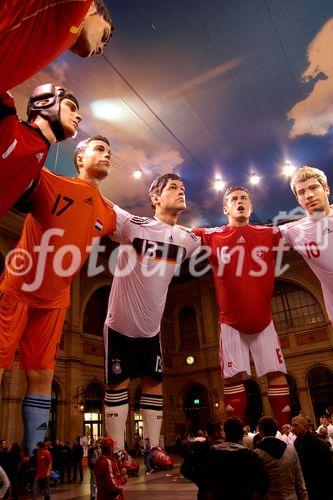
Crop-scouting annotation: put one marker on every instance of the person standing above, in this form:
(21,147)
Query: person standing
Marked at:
(109,478)
(312,236)
(156,247)
(77,454)
(243,263)
(229,470)
(195,454)
(281,463)
(71,214)
(287,435)
(93,455)
(43,472)
(316,460)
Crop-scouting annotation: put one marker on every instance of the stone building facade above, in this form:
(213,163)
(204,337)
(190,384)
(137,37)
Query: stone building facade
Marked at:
(193,390)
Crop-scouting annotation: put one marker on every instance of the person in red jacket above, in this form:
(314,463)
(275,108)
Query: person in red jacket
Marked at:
(109,478)
(43,472)
(35,32)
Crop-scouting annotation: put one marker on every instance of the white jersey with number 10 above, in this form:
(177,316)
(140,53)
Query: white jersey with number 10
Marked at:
(313,239)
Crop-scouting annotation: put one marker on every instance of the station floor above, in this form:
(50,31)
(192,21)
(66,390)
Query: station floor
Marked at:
(163,485)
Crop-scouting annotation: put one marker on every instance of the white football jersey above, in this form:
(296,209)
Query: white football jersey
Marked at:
(313,239)
(150,252)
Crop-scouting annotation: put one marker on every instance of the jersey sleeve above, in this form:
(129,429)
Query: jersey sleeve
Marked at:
(203,234)
(24,203)
(285,234)
(194,245)
(122,230)
(34,194)
(7,105)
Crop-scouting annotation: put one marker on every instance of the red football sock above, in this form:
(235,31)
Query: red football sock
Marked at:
(235,400)
(279,398)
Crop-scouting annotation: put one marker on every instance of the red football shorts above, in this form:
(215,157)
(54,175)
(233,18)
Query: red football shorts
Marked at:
(36,331)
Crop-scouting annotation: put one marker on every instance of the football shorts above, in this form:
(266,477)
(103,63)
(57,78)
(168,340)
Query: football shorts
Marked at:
(129,357)
(36,331)
(235,349)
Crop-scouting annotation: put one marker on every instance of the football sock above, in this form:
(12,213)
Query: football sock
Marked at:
(152,414)
(116,411)
(35,413)
(235,400)
(279,398)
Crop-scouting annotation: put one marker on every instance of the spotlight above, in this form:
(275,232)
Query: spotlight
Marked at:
(288,169)
(219,184)
(137,174)
(254,179)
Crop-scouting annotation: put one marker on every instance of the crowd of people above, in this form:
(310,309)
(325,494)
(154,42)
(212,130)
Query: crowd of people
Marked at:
(233,463)
(63,464)
(59,463)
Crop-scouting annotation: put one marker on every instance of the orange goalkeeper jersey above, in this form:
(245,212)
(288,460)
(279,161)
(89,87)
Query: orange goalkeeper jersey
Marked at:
(66,215)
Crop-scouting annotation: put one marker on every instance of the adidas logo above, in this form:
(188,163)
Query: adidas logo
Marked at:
(241,240)
(89,201)
(326,230)
(39,157)
(286,409)
(229,408)
(170,238)
(42,427)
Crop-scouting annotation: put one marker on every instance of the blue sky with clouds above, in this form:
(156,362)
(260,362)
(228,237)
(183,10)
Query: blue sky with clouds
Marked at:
(206,87)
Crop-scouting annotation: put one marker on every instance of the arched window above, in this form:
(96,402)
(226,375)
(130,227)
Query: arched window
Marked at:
(254,409)
(95,312)
(93,404)
(93,396)
(320,382)
(188,328)
(294,307)
(197,408)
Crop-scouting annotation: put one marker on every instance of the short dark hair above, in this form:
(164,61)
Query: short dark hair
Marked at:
(233,429)
(102,10)
(82,146)
(268,426)
(41,444)
(230,190)
(159,184)
(213,425)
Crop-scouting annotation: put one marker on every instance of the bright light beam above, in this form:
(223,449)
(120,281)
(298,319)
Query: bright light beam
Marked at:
(288,169)
(219,184)
(137,174)
(254,179)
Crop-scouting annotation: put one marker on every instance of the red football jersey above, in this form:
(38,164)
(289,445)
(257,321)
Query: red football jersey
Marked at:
(43,463)
(57,235)
(242,261)
(23,150)
(35,32)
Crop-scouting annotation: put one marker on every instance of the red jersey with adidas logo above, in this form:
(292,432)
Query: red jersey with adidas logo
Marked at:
(23,151)
(243,261)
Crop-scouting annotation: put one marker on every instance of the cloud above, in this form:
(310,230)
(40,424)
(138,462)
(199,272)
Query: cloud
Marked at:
(59,71)
(314,114)
(204,78)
